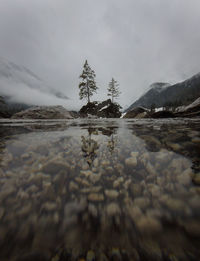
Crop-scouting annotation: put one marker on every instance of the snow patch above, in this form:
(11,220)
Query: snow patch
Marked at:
(123,114)
(159,109)
(105,107)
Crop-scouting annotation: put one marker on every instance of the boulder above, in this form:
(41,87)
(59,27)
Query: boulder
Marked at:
(138,112)
(4,114)
(44,112)
(191,110)
(162,114)
(89,108)
(105,109)
(193,107)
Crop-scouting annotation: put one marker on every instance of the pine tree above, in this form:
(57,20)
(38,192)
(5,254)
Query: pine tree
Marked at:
(113,90)
(88,85)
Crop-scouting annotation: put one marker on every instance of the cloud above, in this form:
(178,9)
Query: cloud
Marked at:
(135,41)
(31,96)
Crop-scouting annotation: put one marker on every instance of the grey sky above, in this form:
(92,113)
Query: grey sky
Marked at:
(137,42)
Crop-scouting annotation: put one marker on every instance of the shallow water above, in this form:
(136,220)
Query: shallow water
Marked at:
(100,190)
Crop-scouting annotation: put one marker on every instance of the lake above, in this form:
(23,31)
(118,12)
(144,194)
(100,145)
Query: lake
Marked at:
(104,189)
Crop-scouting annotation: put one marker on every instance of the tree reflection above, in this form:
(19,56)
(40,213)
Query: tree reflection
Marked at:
(111,143)
(89,146)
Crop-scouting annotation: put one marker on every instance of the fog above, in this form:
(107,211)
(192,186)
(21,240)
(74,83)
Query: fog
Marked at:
(137,42)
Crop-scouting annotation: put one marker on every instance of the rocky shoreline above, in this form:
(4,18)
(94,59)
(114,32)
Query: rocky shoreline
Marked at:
(190,111)
(105,109)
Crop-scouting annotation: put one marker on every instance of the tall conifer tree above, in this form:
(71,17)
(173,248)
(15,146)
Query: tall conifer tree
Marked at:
(87,86)
(113,89)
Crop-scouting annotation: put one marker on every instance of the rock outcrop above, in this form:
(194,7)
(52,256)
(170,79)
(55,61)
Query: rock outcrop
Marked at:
(44,112)
(4,114)
(9,108)
(105,109)
(141,112)
(138,112)
(192,110)
(161,114)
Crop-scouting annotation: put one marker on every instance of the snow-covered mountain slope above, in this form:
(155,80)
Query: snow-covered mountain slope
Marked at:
(160,94)
(19,84)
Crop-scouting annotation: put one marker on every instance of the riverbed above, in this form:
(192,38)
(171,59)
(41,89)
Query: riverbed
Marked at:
(96,189)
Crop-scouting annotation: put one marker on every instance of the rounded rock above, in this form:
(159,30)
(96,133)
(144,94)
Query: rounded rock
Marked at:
(90,255)
(111,193)
(148,225)
(131,162)
(113,209)
(95,197)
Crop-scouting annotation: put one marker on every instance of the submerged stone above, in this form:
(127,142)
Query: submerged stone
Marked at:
(90,256)
(113,194)
(95,197)
(113,209)
(132,161)
(148,225)
(142,202)
(54,167)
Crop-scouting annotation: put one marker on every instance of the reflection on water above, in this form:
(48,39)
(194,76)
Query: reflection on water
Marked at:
(89,146)
(100,190)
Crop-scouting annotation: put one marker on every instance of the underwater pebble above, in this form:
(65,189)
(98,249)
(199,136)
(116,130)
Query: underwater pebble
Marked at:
(90,256)
(185,178)
(196,178)
(117,182)
(54,167)
(92,210)
(115,254)
(148,225)
(49,206)
(155,190)
(113,209)
(135,212)
(112,194)
(73,186)
(96,163)
(175,204)
(135,189)
(151,249)
(94,178)
(95,197)
(2,211)
(86,173)
(142,202)
(6,190)
(131,162)
(134,154)
(192,228)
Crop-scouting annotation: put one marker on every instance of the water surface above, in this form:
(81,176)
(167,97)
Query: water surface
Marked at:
(100,189)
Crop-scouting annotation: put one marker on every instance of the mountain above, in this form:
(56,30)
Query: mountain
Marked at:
(13,76)
(162,94)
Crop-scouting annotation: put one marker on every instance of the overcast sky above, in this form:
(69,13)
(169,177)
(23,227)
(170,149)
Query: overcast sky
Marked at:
(137,42)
